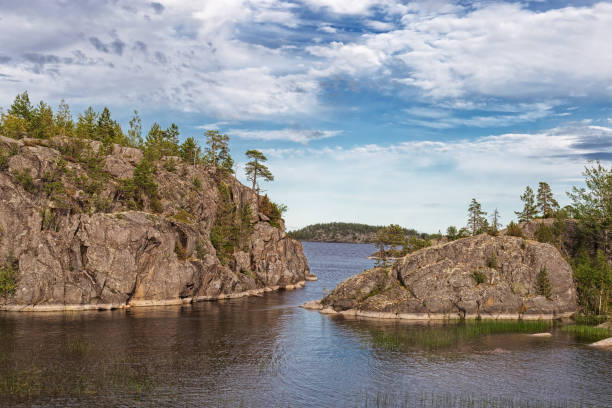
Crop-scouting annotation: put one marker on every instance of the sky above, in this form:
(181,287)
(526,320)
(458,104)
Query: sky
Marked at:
(369,111)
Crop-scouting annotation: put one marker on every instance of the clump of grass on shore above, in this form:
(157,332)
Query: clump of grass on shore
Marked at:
(591,320)
(435,337)
(587,333)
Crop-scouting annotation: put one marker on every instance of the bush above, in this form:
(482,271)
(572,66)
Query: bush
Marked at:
(24,178)
(492,262)
(201,251)
(543,287)
(170,165)
(4,160)
(8,273)
(545,234)
(196,183)
(514,230)
(479,277)
(180,251)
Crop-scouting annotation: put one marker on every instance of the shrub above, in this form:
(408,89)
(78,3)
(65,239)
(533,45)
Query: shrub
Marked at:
(180,251)
(200,248)
(170,165)
(543,284)
(8,272)
(156,205)
(183,216)
(544,233)
(4,160)
(492,262)
(196,182)
(479,277)
(24,178)
(514,230)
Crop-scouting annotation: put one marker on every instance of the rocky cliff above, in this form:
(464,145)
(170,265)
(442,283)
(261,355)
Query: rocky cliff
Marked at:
(481,276)
(81,226)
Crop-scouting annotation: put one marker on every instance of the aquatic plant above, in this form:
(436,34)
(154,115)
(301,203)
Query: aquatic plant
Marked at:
(587,333)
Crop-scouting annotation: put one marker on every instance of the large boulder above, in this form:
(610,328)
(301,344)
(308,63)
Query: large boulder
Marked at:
(79,245)
(481,276)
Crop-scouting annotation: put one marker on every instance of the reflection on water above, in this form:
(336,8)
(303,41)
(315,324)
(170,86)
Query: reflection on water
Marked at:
(265,351)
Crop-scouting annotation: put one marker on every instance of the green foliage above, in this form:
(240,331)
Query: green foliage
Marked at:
(24,177)
(587,333)
(190,151)
(546,202)
(589,320)
(492,262)
(529,207)
(183,216)
(4,159)
(514,230)
(170,165)
(544,233)
(8,274)
(479,277)
(141,185)
(340,232)
(593,281)
(477,222)
(232,226)
(160,142)
(196,182)
(543,287)
(255,168)
(271,210)
(217,151)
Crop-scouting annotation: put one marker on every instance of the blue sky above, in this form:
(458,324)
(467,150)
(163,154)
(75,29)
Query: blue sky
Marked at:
(369,111)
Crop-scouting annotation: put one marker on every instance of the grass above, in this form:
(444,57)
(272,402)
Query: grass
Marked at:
(591,320)
(587,333)
(436,337)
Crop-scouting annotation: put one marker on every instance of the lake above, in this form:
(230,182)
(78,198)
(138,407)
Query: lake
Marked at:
(268,352)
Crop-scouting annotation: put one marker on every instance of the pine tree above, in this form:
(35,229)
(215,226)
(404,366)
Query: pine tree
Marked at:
(190,151)
(21,107)
(217,150)
(529,208)
(255,169)
(476,217)
(546,202)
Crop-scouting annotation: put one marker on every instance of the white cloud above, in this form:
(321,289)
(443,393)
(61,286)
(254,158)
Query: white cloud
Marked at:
(293,135)
(499,50)
(428,184)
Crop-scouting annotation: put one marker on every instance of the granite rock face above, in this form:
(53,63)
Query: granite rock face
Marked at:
(441,282)
(79,256)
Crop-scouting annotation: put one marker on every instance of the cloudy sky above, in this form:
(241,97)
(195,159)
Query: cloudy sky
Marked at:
(369,111)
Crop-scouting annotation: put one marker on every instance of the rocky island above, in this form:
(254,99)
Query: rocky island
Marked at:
(87,225)
(483,276)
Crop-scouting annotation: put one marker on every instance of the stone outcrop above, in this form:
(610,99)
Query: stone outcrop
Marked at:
(88,250)
(442,281)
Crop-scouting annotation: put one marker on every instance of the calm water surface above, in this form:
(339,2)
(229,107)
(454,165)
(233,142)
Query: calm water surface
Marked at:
(268,352)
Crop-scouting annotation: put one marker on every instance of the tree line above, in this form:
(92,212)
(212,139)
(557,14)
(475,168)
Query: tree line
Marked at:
(23,119)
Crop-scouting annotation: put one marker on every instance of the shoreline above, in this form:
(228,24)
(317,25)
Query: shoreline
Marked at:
(151,303)
(354,313)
